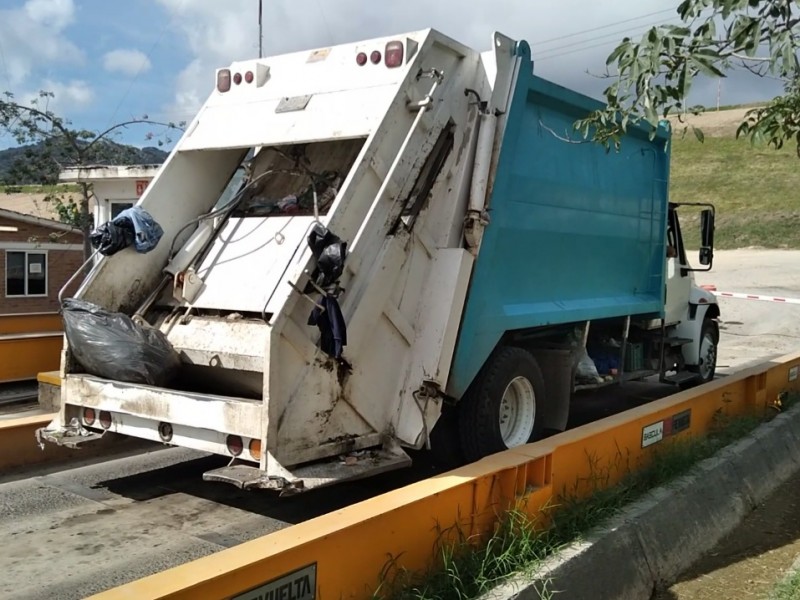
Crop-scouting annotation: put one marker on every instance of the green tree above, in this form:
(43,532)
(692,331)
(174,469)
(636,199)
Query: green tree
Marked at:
(55,144)
(652,77)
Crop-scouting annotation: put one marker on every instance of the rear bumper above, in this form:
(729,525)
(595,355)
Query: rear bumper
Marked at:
(190,420)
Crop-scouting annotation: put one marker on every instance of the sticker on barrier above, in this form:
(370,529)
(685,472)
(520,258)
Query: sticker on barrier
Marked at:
(655,432)
(297,585)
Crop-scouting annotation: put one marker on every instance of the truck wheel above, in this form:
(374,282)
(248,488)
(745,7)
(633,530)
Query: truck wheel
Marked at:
(445,442)
(499,411)
(709,339)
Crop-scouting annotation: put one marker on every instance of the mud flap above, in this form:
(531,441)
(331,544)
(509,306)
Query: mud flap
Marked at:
(73,435)
(313,475)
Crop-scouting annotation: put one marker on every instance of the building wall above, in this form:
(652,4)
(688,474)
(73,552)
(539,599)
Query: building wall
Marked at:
(64,258)
(114,190)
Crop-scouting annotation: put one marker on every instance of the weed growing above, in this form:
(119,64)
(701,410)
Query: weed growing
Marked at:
(470,568)
(788,589)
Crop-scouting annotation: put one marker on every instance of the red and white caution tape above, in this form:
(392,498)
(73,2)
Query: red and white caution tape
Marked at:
(713,290)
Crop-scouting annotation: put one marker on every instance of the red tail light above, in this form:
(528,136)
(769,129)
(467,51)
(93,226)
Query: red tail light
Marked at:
(235,444)
(361,58)
(237,78)
(105,419)
(248,77)
(223,80)
(88,416)
(394,54)
(375,57)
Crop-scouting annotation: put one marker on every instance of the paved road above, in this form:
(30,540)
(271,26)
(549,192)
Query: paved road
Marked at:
(74,532)
(79,531)
(753,330)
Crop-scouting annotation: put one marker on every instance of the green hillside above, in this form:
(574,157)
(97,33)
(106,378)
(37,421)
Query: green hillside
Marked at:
(22,165)
(756,190)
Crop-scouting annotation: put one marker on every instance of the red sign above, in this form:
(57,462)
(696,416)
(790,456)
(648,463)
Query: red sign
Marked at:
(141,186)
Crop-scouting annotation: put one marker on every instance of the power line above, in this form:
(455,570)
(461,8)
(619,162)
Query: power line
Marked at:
(5,65)
(553,53)
(325,20)
(546,52)
(141,66)
(614,34)
(569,35)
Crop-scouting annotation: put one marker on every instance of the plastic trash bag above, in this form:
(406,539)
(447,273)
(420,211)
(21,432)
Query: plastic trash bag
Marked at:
(330,253)
(109,238)
(587,371)
(133,226)
(147,231)
(112,346)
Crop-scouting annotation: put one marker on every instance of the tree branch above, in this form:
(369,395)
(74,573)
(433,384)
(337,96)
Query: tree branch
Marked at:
(104,134)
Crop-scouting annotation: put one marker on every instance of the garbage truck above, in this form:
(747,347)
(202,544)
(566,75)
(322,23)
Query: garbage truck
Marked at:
(392,245)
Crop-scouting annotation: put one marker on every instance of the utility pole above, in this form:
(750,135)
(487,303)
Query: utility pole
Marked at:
(260,31)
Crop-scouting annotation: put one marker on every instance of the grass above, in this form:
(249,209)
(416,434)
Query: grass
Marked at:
(39,189)
(788,589)
(469,569)
(713,108)
(753,189)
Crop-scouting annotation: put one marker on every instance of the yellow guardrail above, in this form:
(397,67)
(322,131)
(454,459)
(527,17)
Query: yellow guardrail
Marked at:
(19,447)
(349,552)
(29,344)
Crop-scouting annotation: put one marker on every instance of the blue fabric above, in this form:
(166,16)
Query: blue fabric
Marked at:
(147,231)
(333,330)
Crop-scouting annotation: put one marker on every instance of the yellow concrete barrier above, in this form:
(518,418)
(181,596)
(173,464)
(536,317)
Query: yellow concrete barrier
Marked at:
(30,322)
(18,445)
(50,378)
(349,552)
(29,344)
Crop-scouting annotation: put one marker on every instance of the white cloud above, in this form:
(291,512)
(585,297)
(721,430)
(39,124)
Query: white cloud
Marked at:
(216,37)
(53,13)
(67,96)
(32,36)
(127,62)
(70,95)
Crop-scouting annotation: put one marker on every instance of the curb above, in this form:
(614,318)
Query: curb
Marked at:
(652,542)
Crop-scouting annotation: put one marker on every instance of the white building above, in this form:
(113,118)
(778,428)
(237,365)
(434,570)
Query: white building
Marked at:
(115,187)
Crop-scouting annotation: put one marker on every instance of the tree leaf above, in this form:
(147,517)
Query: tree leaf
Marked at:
(706,67)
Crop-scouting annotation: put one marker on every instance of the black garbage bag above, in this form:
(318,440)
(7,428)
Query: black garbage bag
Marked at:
(110,237)
(330,253)
(110,345)
(132,227)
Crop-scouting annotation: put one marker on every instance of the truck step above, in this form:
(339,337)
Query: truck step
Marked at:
(676,341)
(680,378)
(314,475)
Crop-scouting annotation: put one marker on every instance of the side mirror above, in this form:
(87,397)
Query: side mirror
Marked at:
(707,237)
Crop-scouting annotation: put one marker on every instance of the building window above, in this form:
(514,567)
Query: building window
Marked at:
(26,273)
(118,207)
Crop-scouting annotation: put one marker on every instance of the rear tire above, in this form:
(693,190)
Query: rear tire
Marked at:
(445,442)
(709,340)
(502,408)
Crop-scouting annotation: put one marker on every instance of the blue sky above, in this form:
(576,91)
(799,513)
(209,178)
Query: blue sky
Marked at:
(112,60)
